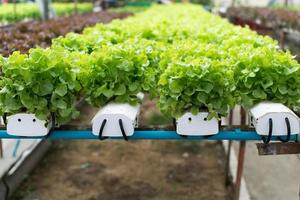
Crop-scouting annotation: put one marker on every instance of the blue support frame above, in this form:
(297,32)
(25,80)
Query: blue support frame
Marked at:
(235,134)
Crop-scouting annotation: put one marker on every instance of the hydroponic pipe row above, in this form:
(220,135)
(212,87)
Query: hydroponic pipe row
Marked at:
(187,57)
(235,134)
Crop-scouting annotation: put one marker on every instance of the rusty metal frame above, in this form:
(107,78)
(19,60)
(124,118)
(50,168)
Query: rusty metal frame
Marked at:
(278,148)
(241,158)
(228,177)
(239,173)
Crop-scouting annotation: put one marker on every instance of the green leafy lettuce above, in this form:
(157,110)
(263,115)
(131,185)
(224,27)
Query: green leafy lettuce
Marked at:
(42,82)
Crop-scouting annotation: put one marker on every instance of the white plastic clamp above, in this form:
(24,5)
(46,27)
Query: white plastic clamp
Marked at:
(116,120)
(27,125)
(274,119)
(196,125)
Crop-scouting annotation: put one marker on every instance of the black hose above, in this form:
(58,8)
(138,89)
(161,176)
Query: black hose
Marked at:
(101,130)
(122,130)
(268,139)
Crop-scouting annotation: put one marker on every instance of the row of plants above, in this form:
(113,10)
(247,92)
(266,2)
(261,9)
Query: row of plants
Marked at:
(272,18)
(189,58)
(25,35)
(29,11)
(129,9)
(286,7)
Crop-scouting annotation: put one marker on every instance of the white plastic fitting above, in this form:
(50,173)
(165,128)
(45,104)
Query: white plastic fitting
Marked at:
(197,125)
(261,114)
(109,118)
(24,124)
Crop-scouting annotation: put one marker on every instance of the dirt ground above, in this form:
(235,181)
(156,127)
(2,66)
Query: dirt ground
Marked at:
(134,170)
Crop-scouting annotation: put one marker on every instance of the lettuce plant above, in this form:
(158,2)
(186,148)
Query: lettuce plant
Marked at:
(42,82)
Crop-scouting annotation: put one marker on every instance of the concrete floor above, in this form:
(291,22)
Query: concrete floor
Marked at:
(12,149)
(271,177)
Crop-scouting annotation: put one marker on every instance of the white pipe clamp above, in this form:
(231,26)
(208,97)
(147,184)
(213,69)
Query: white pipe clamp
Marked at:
(282,119)
(197,125)
(24,124)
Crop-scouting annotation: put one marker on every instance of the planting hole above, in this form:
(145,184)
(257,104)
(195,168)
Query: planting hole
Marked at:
(34,120)
(205,119)
(19,120)
(190,119)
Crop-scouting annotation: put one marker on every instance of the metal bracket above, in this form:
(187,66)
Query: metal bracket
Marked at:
(278,148)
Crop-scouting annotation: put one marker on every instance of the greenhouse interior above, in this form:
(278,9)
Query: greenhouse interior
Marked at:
(150,99)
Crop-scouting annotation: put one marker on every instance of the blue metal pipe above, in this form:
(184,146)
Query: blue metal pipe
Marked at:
(235,134)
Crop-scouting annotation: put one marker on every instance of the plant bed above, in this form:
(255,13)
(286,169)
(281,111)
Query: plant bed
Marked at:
(281,24)
(23,36)
(115,62)
(30,11)
(267,17)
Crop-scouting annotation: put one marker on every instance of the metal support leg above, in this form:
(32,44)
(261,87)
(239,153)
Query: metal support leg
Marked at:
(1,149)
(240,168)
(241,158)
(228,179)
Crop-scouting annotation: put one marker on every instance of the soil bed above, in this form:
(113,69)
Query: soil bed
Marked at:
(135,170)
